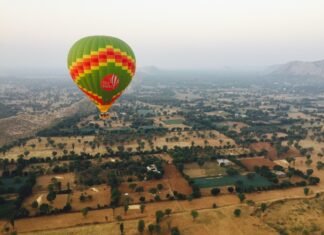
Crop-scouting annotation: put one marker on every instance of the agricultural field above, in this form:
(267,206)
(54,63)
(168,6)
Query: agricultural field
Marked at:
(59,146)
(234,126)
(173,121)
(303,216)
(193,170)
(208,182)
(176,180)
(150,191)
(271,151)
(159,149)
(42,182)
(222,219)
(251,163)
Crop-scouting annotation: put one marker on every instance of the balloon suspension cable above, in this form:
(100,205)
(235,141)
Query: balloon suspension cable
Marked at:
(104,116)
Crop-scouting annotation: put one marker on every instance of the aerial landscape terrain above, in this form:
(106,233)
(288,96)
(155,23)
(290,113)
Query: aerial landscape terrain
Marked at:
(240,154)
(162,117)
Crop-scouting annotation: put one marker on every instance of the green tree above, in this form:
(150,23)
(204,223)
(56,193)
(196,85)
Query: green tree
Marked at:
(168,212)
(159,216)
(51,196)
(237,212)
(44,208)
(309,172)
(153,190)
(141,226)
(230,189)
(263,207)
(126,207)
(306,191)
(194,214)
(151,228)
(160,187)
(85,211)
(215,191)
(34,204)
(201,162)
(175,231)
(309,162)
(142,208)
(241,196)
(157,228)
(121,228)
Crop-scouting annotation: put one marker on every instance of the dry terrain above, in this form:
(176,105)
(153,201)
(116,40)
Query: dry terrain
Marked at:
(271,151)
(193,170)
(40,147)
(251,163)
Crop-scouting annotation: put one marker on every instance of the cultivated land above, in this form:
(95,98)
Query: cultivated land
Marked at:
(193,170)
(65,171)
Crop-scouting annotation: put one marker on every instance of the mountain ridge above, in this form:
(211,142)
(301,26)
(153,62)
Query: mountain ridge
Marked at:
(299,69)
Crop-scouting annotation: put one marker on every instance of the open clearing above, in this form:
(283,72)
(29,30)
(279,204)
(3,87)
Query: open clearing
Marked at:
(173,121)
(40,147)
(210,222)
(42,182)
(251,163)
(225,221)
(176,180)
(193,170)
(304,216)
(234,126)
(147,185)
(271,151)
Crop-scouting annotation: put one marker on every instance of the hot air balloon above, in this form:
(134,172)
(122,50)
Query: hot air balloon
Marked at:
(102,67)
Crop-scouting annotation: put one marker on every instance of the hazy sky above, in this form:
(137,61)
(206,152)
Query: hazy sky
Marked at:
(165,33)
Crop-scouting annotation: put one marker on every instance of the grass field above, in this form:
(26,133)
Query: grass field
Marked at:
(207,182)
(210,222)
(193,170)
(303,216)
(41,148)
(173,121)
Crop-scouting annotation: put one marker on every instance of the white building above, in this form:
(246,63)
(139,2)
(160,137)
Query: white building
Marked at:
(224,162)
(153,168)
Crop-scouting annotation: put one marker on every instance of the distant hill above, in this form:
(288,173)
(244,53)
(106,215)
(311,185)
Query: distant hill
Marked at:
(296,69)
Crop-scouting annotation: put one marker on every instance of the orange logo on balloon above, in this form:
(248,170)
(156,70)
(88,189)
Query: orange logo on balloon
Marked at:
(109,82)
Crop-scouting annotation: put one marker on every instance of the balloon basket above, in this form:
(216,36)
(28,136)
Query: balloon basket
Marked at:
(104,116)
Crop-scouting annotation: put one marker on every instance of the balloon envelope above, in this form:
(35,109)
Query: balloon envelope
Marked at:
(102,67)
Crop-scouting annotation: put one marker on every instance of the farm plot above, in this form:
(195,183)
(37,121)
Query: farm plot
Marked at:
(59,202)
(251,163)
(234,151)
(176,180)
(150,190)
(173,121)
(207,182)
(234,126)
(47,147)
(271,151)
(99,196)
(42,182)
(59,146)
(94,196)
(193,170)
